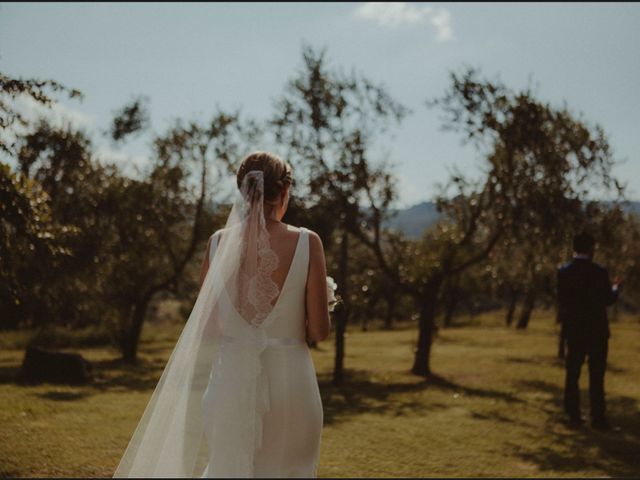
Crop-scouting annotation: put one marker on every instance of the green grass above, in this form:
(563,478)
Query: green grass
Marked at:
(494,410)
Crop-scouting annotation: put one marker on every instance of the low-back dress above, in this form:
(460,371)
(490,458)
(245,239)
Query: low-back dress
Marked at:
(284,436)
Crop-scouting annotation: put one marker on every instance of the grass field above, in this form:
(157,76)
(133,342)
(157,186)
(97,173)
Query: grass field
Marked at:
(494,410)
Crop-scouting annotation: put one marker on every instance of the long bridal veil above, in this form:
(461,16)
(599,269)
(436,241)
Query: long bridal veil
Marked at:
(205,419)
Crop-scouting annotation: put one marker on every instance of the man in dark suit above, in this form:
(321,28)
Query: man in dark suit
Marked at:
(584,292)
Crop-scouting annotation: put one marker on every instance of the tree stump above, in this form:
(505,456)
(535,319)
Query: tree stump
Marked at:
(40,365)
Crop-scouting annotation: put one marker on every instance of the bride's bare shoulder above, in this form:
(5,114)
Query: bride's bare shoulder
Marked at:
(290,229)
(297,230)
(315,243)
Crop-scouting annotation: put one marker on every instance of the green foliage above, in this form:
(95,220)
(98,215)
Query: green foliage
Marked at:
(35,239)
(160,221)
(32,244)
(131,119)
(79,191)
(125,239)
(38,90)
(542,165)
(327,122)
(85,245)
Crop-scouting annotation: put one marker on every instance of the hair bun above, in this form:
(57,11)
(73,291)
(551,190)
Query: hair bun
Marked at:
(277,173)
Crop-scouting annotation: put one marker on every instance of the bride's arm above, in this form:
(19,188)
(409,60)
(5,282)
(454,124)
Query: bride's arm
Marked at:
(318,321)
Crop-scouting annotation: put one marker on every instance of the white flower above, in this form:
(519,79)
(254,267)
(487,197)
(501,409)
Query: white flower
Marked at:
(331,293)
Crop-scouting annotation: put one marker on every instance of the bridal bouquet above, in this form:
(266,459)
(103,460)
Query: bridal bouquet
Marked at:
(331,293)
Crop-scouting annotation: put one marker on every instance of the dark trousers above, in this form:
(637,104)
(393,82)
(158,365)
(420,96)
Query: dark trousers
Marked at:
(596,351)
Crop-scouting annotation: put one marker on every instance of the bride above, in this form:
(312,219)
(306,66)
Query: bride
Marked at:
(239,395)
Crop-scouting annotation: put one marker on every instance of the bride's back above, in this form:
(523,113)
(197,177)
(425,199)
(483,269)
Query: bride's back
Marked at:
(288,400)
(284,240)
(291,245)
(287,315)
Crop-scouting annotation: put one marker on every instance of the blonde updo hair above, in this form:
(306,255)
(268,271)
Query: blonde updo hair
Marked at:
(276,172)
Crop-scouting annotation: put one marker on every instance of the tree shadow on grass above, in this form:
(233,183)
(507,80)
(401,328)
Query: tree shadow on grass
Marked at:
(9,374)
(64,396)
(8,473)
(443,383)
(116,374)
(618,452)
(555,361)
(111,374)
(493,417)
(361,393)
(538,360)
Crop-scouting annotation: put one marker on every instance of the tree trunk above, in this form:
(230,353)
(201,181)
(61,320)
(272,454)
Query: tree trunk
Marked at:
(561,345)
(370,310)
(513,303)
(527,308)
(132,338)
(422,364)
(365,323)
(452,297)
(343,311)
(391,307)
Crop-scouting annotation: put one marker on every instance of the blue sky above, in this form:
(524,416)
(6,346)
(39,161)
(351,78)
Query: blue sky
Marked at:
(188,58)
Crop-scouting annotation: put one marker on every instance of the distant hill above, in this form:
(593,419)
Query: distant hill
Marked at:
(413,221)
(634,207)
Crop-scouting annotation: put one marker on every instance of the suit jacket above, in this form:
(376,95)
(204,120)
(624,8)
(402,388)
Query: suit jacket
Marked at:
(584,292)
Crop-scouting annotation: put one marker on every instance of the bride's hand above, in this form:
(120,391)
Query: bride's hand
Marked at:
(331,293)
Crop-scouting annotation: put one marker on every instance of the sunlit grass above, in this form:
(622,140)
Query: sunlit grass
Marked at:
(493,410)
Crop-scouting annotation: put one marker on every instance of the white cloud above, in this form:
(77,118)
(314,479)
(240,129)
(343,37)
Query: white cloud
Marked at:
(409,192)
(57,113)
(397,14)
(441,19)
(30,110)
(131,164)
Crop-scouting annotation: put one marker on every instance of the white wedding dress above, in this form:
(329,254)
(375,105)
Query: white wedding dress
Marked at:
(239,395)
(289,409)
